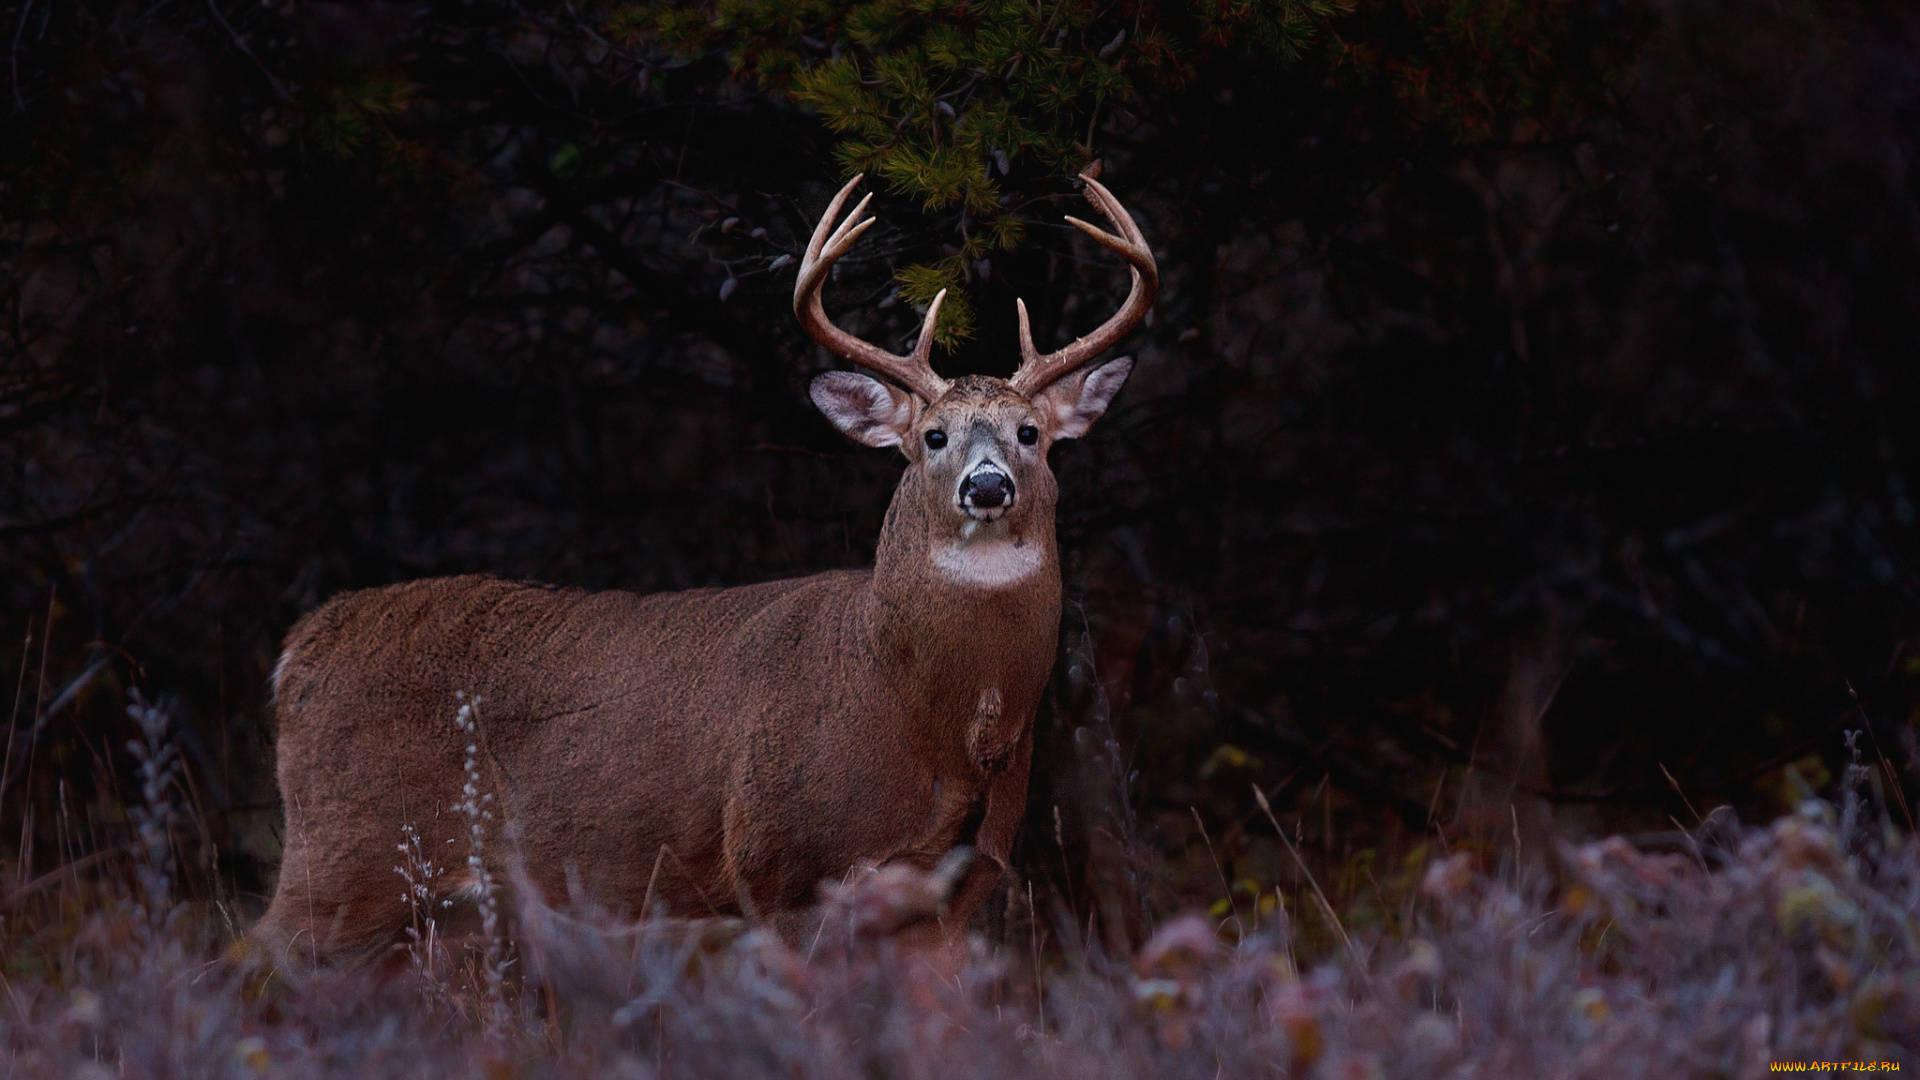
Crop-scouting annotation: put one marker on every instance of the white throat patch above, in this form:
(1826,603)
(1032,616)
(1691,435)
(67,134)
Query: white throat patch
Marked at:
(988,562)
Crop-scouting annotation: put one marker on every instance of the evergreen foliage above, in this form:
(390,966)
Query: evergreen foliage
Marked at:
(947,100)
(943,99)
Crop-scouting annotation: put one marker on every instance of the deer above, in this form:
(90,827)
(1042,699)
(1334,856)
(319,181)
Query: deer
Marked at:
(716,751)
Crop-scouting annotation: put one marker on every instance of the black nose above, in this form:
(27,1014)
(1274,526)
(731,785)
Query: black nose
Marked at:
(986,490)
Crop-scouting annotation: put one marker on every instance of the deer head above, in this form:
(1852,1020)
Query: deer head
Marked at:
(976,447)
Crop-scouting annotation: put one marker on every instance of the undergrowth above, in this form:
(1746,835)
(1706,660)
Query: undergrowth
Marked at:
(1739,947)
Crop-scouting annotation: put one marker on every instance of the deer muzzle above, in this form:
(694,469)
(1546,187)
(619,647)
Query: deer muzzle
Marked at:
(986,492)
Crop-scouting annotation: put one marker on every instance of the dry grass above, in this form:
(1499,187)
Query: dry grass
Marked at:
(1745,947)
(1733,949)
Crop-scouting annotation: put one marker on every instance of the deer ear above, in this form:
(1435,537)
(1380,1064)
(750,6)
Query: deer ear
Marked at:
(1077,400)
(865,410)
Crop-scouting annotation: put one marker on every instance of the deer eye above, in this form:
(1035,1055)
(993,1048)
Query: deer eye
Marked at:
(936,439)
(1028,434)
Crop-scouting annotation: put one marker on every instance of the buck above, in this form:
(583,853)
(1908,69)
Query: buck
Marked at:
(716,750)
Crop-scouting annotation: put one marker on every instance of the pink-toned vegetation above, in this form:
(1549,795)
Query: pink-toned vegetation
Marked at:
(1731,948)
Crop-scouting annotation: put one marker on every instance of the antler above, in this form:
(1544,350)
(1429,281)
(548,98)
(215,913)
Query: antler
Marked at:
(829,243)
(1038,371)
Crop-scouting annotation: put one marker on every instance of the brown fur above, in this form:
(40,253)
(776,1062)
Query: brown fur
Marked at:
(746,742)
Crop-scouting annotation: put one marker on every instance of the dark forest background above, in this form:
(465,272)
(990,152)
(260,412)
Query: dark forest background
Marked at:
(1520,446)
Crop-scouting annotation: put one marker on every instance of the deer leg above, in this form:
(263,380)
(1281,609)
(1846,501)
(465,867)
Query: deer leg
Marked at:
(954,803)
(329,914)
(1006,804)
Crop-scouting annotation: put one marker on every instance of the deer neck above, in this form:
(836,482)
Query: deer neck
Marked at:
(962,606)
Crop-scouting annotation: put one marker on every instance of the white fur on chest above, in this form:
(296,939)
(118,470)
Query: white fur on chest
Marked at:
(988,563)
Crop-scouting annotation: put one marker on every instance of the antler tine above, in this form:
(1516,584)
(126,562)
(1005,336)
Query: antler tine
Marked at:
(1039,370)
(829,242)
(923,348)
